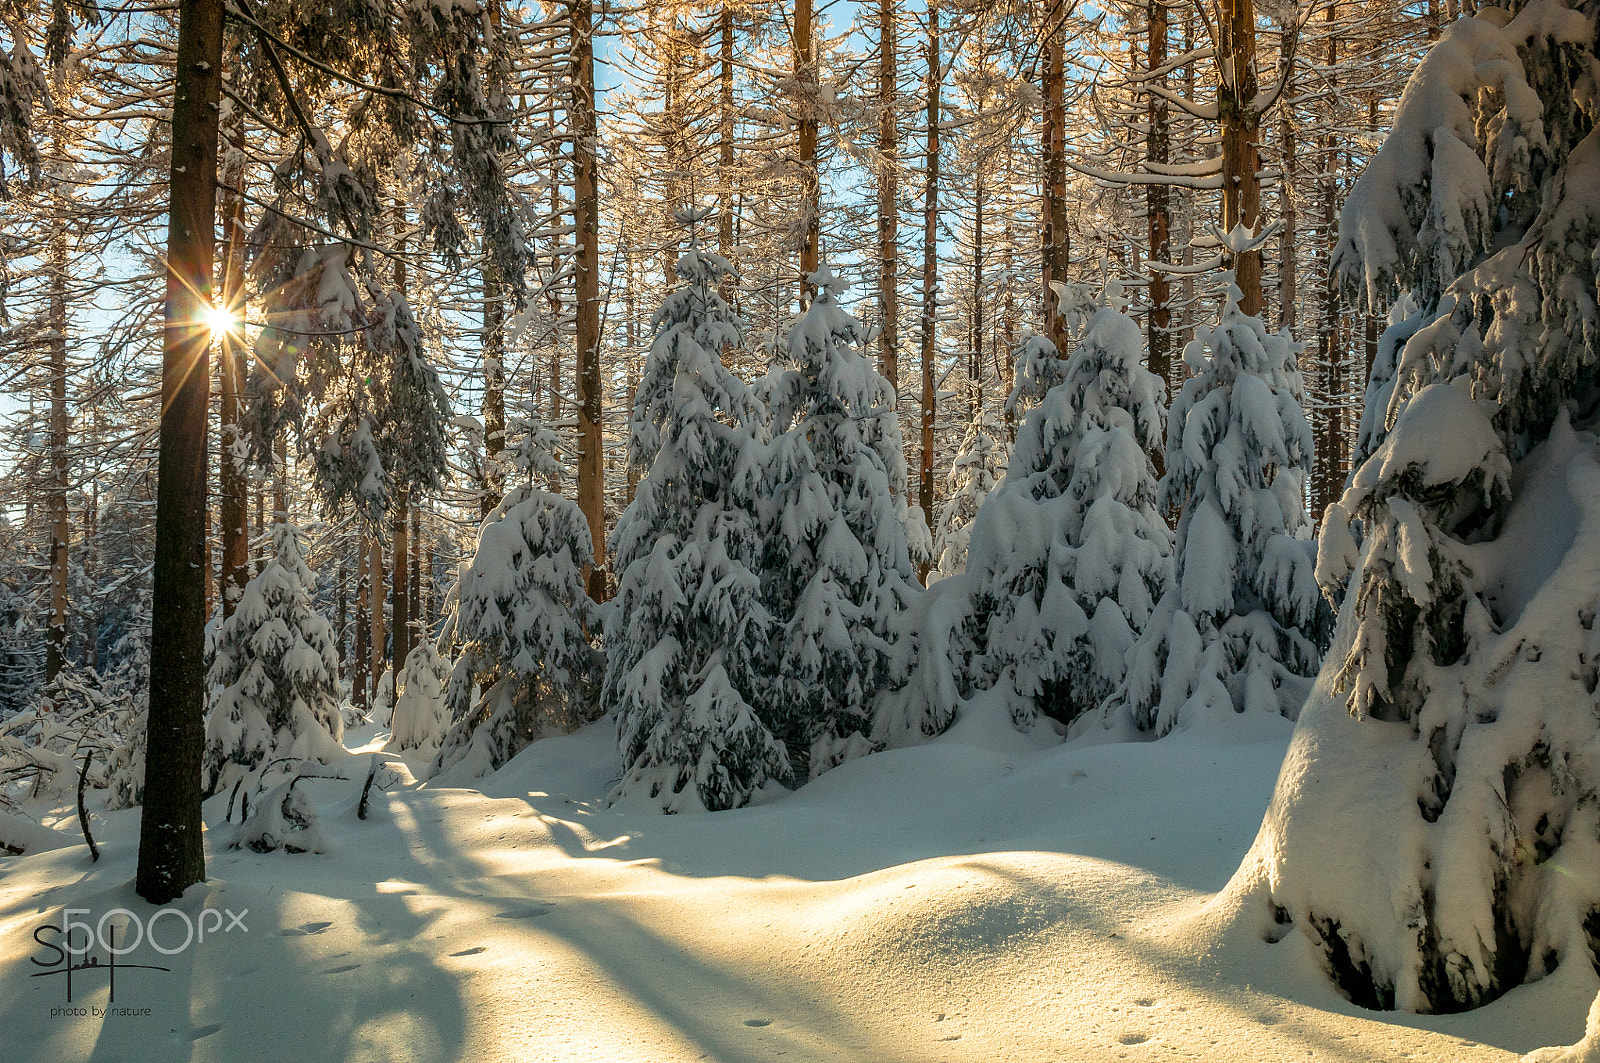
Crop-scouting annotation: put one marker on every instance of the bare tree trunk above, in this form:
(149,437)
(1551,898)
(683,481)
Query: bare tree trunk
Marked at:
(591,469)
(494,388)
(930,272)
(1241,140)
(375,637)
(91,634)
(805,73)
(60,522)
(888,199)
(1329,454)
(1158,149)
(1055,250)
(555,304)
(634,472)
(233,487)
(171,853)
(344,614)
(361,665)
(419,625)
(975,355)
(400,601)
(725,242)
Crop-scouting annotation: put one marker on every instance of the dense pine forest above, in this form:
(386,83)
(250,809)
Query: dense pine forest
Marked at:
(755,393)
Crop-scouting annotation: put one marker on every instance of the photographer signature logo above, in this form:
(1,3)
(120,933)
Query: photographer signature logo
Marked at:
(77,956)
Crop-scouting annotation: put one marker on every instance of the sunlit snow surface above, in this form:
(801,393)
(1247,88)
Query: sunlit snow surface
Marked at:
(985,897)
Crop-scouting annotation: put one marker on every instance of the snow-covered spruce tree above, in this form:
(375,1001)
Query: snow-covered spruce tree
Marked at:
(1071,553)
(1242,627)
(691,633)
(1436,829)
(1037,368)
(274,675)
(837,573)
(419,719)
(979,464)
(519,617)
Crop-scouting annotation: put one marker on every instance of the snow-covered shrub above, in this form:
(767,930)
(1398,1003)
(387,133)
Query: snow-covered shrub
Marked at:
(1242,626)
(284,817)
(274,674)
(127,687)
(837,570)
(1436,829)
(979,464)
(691,632)
(419,712)
(519,617)
(1070,554)
(42,747)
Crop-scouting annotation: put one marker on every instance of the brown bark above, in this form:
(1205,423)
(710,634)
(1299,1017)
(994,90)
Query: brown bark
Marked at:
(805,73)
(591,470)
(414,603)
(171,854)
(888,199)
(725,241)
(233,504)
(400,600)
(1158,149)
(975,354)
(1241,140)
(1055,251)
(60,522)
(375,634)
(930,272)
(361,663)
(494,389)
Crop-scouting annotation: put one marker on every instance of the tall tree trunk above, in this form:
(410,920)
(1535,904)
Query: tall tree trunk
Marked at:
(232,485)
(631,301)
(1329,454)
(591,469)
(60,521)
(171,853)
(1241,140)
(400,600)
(375,635)
(888,198)
(1288,271)
(344,614)
(1055,252)
(91,520)
(419,627)
(494,388)
(554,295)
(930,272)
(725,158)
(975,355)
(805,74)
(361,664)
(1158,149)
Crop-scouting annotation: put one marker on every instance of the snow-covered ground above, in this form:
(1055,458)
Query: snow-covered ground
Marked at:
(982,897)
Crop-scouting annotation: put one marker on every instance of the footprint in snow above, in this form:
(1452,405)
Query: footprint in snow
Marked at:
(1145,1002)
(471,952)
(522,913)
(1133,1038)
(302,930)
